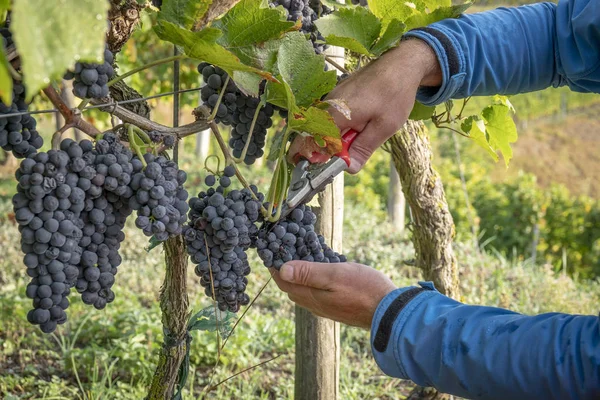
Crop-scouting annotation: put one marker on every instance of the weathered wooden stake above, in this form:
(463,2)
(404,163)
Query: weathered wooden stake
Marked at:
(318,339)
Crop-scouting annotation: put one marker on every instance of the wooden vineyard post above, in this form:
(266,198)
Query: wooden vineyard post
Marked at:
(317,374)
(318,339)
(396,201)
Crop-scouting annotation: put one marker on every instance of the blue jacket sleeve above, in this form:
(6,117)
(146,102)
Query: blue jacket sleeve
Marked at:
(516,50)
(485,352)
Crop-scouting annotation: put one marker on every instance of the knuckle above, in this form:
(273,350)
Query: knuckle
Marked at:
(303,273)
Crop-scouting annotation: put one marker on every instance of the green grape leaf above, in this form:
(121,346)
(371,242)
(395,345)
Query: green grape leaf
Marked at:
(248,83)
(153,242)
(423,5)
(210,320)
(355,29)
(184,13)
(388,10)
(420,112)
(316,122)
(423,19)
(250,23)
(6,82)
(280,94)
(390,38)
(498,99)
(303,70)
(501,129)
(202,45)
(50,39)
(475,128)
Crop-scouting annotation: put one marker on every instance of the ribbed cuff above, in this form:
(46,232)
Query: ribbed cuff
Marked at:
(388,321)
(451,63)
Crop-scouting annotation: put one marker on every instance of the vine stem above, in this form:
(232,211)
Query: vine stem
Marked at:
(134,145)
(336,65)
(254,118)
(146,66)
(230,160)
(213,387)
(218,103)
(57,136)
(220,351)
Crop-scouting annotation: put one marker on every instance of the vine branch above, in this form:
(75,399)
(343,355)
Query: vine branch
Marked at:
(71,118)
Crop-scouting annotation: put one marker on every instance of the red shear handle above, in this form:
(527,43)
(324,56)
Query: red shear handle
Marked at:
(347,140)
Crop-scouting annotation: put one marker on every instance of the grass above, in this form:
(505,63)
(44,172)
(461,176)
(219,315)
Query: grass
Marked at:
(111,353)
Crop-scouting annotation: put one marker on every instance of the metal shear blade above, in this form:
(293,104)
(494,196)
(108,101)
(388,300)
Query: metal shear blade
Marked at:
(306,182)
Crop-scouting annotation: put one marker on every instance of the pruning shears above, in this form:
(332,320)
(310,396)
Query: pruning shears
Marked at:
(309,179)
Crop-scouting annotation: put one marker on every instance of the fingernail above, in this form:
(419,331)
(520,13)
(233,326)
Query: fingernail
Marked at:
(287,273)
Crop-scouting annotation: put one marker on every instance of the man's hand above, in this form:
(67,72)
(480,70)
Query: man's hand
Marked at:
(344,292)
(380,97)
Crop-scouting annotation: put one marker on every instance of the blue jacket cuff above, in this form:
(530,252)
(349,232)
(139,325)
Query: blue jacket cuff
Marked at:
(388,322)
(451,61)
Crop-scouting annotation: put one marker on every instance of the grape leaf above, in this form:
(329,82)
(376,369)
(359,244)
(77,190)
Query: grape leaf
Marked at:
(184,13)
(420,112)
(210,320)
(390,38)
(501,129)
(475,128)
(423,19)
(250,23)
(202,45)
(388,10)
(248,83)
(6,82)
(303,70)
(280,94)
(250,31)
(50,38)
(316,122)
(423,5)
(498,99)
(355,29)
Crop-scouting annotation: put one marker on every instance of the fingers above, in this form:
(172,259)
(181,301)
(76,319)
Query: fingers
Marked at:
(368,140)
(315,275)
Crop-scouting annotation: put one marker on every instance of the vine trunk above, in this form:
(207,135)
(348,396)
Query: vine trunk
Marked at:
(174,306)
(432,223)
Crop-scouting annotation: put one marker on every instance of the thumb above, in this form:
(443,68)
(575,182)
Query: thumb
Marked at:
(311,274)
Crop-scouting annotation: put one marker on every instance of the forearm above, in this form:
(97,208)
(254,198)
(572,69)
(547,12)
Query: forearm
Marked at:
(487,352)
(515,50)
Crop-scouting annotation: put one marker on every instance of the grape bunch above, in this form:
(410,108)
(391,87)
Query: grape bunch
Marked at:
(221,229)
(242,123)
(47,200)
(91,80)
(105,180)
(238,110)
(18,133)
(294,238)
(215,78)
(160,199)
(300,9)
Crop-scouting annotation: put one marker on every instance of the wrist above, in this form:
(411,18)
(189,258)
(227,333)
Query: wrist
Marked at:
(421,59)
